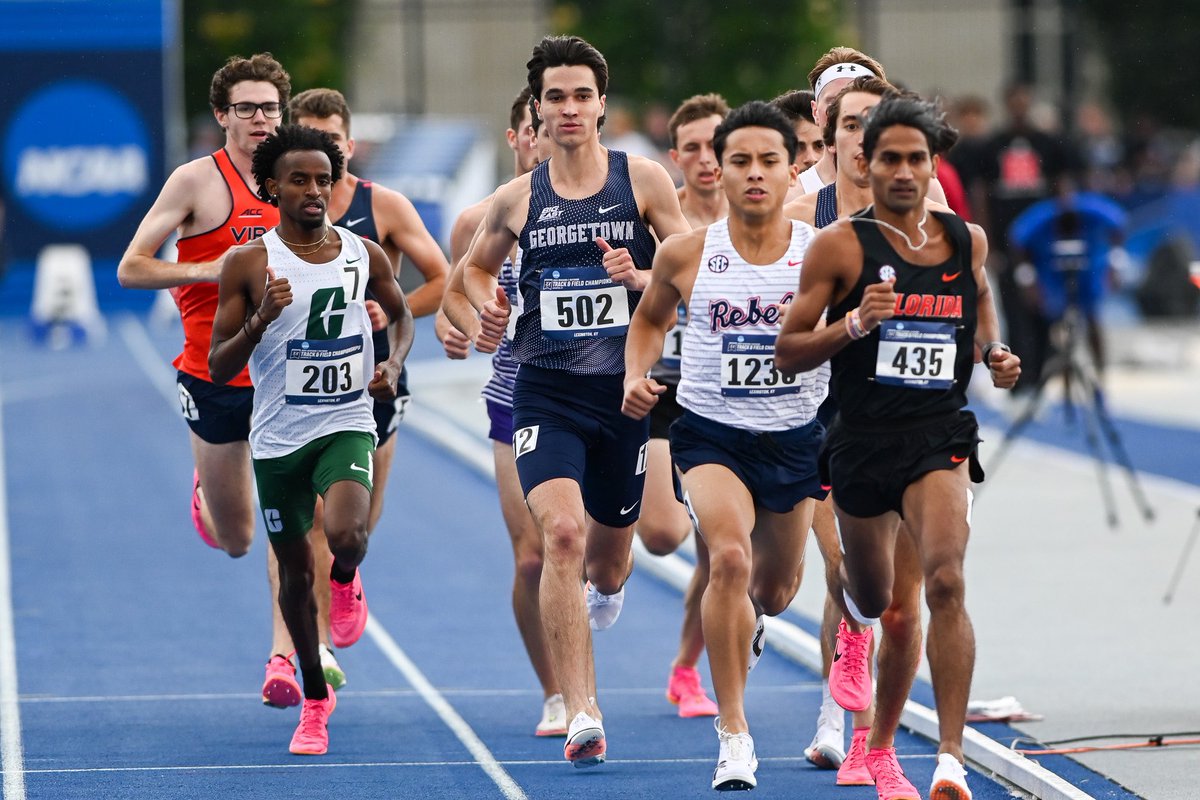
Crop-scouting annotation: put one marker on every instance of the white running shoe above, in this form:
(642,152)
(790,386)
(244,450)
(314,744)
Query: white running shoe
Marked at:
(758,642)
(828,748)
(585,745)
(736,763)
(603,609)
(949,780)
(554,717)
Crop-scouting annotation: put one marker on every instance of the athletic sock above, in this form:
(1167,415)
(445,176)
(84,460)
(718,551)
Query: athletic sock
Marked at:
(854,612)
(314,682)
(340,575)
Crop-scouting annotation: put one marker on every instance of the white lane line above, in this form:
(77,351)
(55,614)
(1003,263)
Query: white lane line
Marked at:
(10,703)
(148,358)
(437,702)
(361,764)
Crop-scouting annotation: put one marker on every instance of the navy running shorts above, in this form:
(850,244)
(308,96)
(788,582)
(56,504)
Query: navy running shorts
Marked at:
(571,426)
(388,414)
(779,468)
(871,468)
(217,414)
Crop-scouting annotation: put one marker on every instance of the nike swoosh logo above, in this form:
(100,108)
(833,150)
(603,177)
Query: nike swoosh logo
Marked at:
(958,459)
(353,260)
(350,223)
(358,597)
(793,263)
(837,656)
(756,644)
(631,508)
(947,278)
(359,469)
(604,210)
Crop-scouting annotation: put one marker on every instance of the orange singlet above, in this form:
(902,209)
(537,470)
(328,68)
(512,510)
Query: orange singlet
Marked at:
(249,218)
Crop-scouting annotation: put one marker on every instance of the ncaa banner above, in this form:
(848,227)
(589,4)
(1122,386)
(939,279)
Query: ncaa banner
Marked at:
(82,129)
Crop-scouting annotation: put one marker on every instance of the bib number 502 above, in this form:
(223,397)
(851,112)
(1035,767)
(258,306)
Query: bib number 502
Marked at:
(580,311)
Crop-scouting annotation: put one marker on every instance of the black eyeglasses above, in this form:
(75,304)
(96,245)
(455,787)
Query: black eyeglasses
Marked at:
(248,110)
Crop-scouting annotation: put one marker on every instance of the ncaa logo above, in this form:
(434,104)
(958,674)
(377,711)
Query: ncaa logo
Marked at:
(718,263)
(76,176)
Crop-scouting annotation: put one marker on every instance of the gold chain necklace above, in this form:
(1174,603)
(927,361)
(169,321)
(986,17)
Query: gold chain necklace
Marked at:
(312,247)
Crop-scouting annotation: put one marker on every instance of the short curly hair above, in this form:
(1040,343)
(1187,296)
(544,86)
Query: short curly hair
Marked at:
(285,139)
(258,67)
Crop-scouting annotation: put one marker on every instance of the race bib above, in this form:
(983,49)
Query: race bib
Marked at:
(919,355)
(672,353)
(748,367)
(582,303)
(324,371)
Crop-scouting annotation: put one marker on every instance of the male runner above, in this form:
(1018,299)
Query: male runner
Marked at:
(747,442)
(213,203)
(497,393)
(847,681)
(797,105)
(833,71)
(293,305)
(581,463)
(664,523)
(907,304)
(389,218)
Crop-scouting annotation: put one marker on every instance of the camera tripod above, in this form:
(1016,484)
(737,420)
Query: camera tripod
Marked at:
(1083,399)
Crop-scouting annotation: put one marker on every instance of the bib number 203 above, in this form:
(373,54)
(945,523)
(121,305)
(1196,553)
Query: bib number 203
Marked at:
(327,379)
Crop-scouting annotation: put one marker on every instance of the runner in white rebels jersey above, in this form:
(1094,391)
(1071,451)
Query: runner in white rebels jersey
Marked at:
(293,304)
(747,442)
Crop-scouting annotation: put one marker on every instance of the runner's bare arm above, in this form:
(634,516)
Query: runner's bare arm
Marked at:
(655,314)
(404,231)
(140,267)
(387,292)
(481,265)
(455,305)
(825,278)
(1004,366)
(243,310)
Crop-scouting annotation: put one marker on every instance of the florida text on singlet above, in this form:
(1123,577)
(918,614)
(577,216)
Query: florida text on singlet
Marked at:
(249,218)
(919,362)
(314,363)
(575,318)
(734,314)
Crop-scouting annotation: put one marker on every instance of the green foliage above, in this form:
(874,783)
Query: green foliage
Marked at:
(307,37)
(667,52)
(1150,46)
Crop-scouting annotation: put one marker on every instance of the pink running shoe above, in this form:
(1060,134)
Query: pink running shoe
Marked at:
(312,734)
(853,771)
(890,783)
(850,674)
(280,689)
(197,518)
(347,611)
(685,691)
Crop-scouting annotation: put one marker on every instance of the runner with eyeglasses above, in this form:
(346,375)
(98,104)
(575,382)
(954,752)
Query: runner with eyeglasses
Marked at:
(214,205)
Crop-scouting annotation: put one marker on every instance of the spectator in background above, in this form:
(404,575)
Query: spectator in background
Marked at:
(1020,165)
(797,106)
(1070,239)
(1101,150)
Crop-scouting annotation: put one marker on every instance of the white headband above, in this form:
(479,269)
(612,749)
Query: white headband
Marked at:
(837,72)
